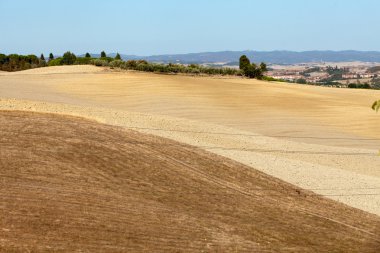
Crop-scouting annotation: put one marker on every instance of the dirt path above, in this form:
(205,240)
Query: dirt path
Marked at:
(69,183)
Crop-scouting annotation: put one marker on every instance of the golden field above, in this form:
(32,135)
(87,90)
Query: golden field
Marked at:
(213,144)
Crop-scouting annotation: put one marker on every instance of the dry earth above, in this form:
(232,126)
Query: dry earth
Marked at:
(267,108)
(322,139)
(74,185)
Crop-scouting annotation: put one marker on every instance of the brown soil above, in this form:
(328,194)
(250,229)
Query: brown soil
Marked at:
(324,139)
(73,185)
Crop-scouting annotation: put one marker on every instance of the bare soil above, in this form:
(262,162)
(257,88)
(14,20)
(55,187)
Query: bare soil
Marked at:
(322,139)
(72,185)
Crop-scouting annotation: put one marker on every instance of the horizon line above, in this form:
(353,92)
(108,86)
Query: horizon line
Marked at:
(223,51)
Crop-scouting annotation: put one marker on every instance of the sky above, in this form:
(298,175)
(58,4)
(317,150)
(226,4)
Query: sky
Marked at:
(151,27)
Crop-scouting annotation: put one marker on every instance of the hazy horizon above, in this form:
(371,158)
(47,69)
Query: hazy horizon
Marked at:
(170,27)
(245,50)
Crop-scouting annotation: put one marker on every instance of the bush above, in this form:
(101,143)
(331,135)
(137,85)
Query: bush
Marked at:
(250,71)
(15,62)
(132,64)
(99,62)
(142,65)
(68,58)
(116,64)
(55,62)
(194,71)
(359,86)
(301,81)
(108,59)
(271,79)
(83,61)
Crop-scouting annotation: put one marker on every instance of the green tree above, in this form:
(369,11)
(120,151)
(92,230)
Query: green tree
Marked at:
(103,54)
(376,106)
(68,58)
(42,62)
(51,56)
(250,70)
(244,62)
(301,81)
(263,67)
(258,73)
(352,86)
(88,55)
(117,57)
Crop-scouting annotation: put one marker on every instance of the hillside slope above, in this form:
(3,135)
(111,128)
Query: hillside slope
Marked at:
(317,138)
(69,184)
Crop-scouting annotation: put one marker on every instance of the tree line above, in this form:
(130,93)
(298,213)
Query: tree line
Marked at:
(18,62)
(15,62)
(143,65)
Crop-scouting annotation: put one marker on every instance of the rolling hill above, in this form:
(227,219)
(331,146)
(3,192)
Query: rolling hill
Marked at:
(69,184)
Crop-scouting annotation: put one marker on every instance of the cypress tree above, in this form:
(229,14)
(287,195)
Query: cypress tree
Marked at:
(103,54)
(244,62)
(117,57)
(263,67)
(88,55)
(51,56)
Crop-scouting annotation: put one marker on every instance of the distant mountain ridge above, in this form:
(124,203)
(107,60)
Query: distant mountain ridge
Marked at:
(276,57)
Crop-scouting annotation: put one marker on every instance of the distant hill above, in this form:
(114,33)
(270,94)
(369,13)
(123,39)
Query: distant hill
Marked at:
(277,57)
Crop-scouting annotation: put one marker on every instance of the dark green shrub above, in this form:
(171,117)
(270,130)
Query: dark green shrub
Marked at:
(55,62)
(116,64)
(250,71)
(83,61)
(301,81)
(131,64)
(99,62)
(68,58)
(107,59)
(263,67)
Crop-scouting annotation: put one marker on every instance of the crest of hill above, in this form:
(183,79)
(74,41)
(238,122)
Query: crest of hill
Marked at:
(66,69)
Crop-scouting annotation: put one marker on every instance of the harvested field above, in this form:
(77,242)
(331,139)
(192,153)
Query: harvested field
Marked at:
(307,113)
(68,184)
(322,139)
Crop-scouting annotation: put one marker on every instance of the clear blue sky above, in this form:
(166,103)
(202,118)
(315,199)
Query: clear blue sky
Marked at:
(146,27)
